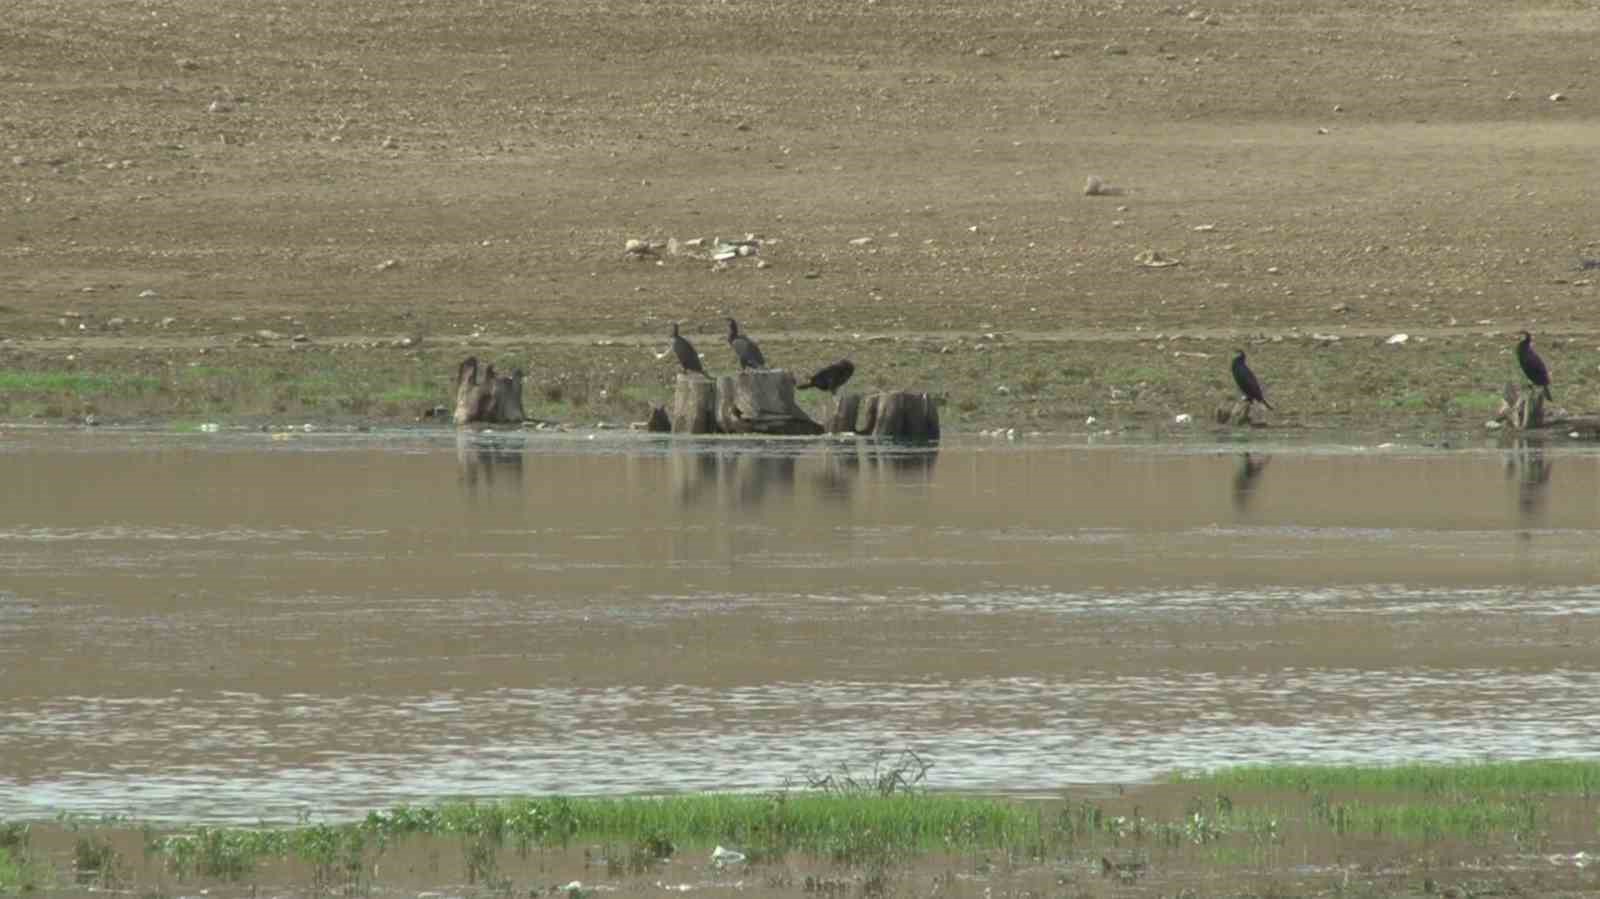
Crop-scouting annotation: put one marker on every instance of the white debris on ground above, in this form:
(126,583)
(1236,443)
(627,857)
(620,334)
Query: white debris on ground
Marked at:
(721,857)
(717,250)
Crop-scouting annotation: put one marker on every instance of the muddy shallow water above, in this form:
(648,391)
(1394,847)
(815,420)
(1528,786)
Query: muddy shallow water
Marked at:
(237,627)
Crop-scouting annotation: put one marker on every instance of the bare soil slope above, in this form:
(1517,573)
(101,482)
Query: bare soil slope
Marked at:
(177,175)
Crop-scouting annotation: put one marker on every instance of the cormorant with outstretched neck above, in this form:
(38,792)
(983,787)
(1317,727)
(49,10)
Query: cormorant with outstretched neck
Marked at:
(1532,365)
(749,354)
(832,377)
(687,357)
(1246,379)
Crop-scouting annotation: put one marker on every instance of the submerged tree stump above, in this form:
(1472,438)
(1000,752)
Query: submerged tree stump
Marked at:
(902,416)
(694,405)
(761,402)
(659,422)
(846,409)
(490,399)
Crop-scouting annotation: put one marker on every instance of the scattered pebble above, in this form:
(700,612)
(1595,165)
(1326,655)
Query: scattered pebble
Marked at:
(1398,339)
(1182,418)
(388,265)
(1557,97)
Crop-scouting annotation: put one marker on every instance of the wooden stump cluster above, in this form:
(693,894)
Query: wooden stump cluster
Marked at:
(750,402)
(895,415)
(763,402)
(491,399)
(901,416)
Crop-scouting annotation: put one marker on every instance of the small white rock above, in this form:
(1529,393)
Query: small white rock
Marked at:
(1398,339)
(1557,97)
(1183,418)
(1090,421)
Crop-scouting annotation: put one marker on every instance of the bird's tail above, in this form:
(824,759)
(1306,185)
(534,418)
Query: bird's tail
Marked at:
(1265,403)
(1547,393)
(807,386)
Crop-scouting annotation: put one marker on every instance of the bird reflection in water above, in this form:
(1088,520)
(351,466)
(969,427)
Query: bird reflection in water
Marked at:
(1528,464)
(1245,474)
(485,457)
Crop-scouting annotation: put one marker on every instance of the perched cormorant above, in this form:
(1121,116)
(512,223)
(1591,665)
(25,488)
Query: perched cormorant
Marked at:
(1532,365)
(687,357)
(832,377)
(749,354)
(1246,379)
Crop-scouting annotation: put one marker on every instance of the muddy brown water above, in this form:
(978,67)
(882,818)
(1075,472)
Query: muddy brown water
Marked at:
(244,627)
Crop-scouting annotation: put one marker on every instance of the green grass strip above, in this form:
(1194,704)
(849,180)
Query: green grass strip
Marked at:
(76,382)
(1549,776)
(851,828)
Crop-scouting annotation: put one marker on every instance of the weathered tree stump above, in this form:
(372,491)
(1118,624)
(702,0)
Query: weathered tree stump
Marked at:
(1239,413)
(694,405)
(846,409)
(491,399)
(761,402)
(902,416)
(1521,409)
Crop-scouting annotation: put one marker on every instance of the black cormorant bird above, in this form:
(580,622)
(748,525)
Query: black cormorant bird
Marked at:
(687,357)
(1246,379)
(832,377)
(1532,365)
(749,354)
